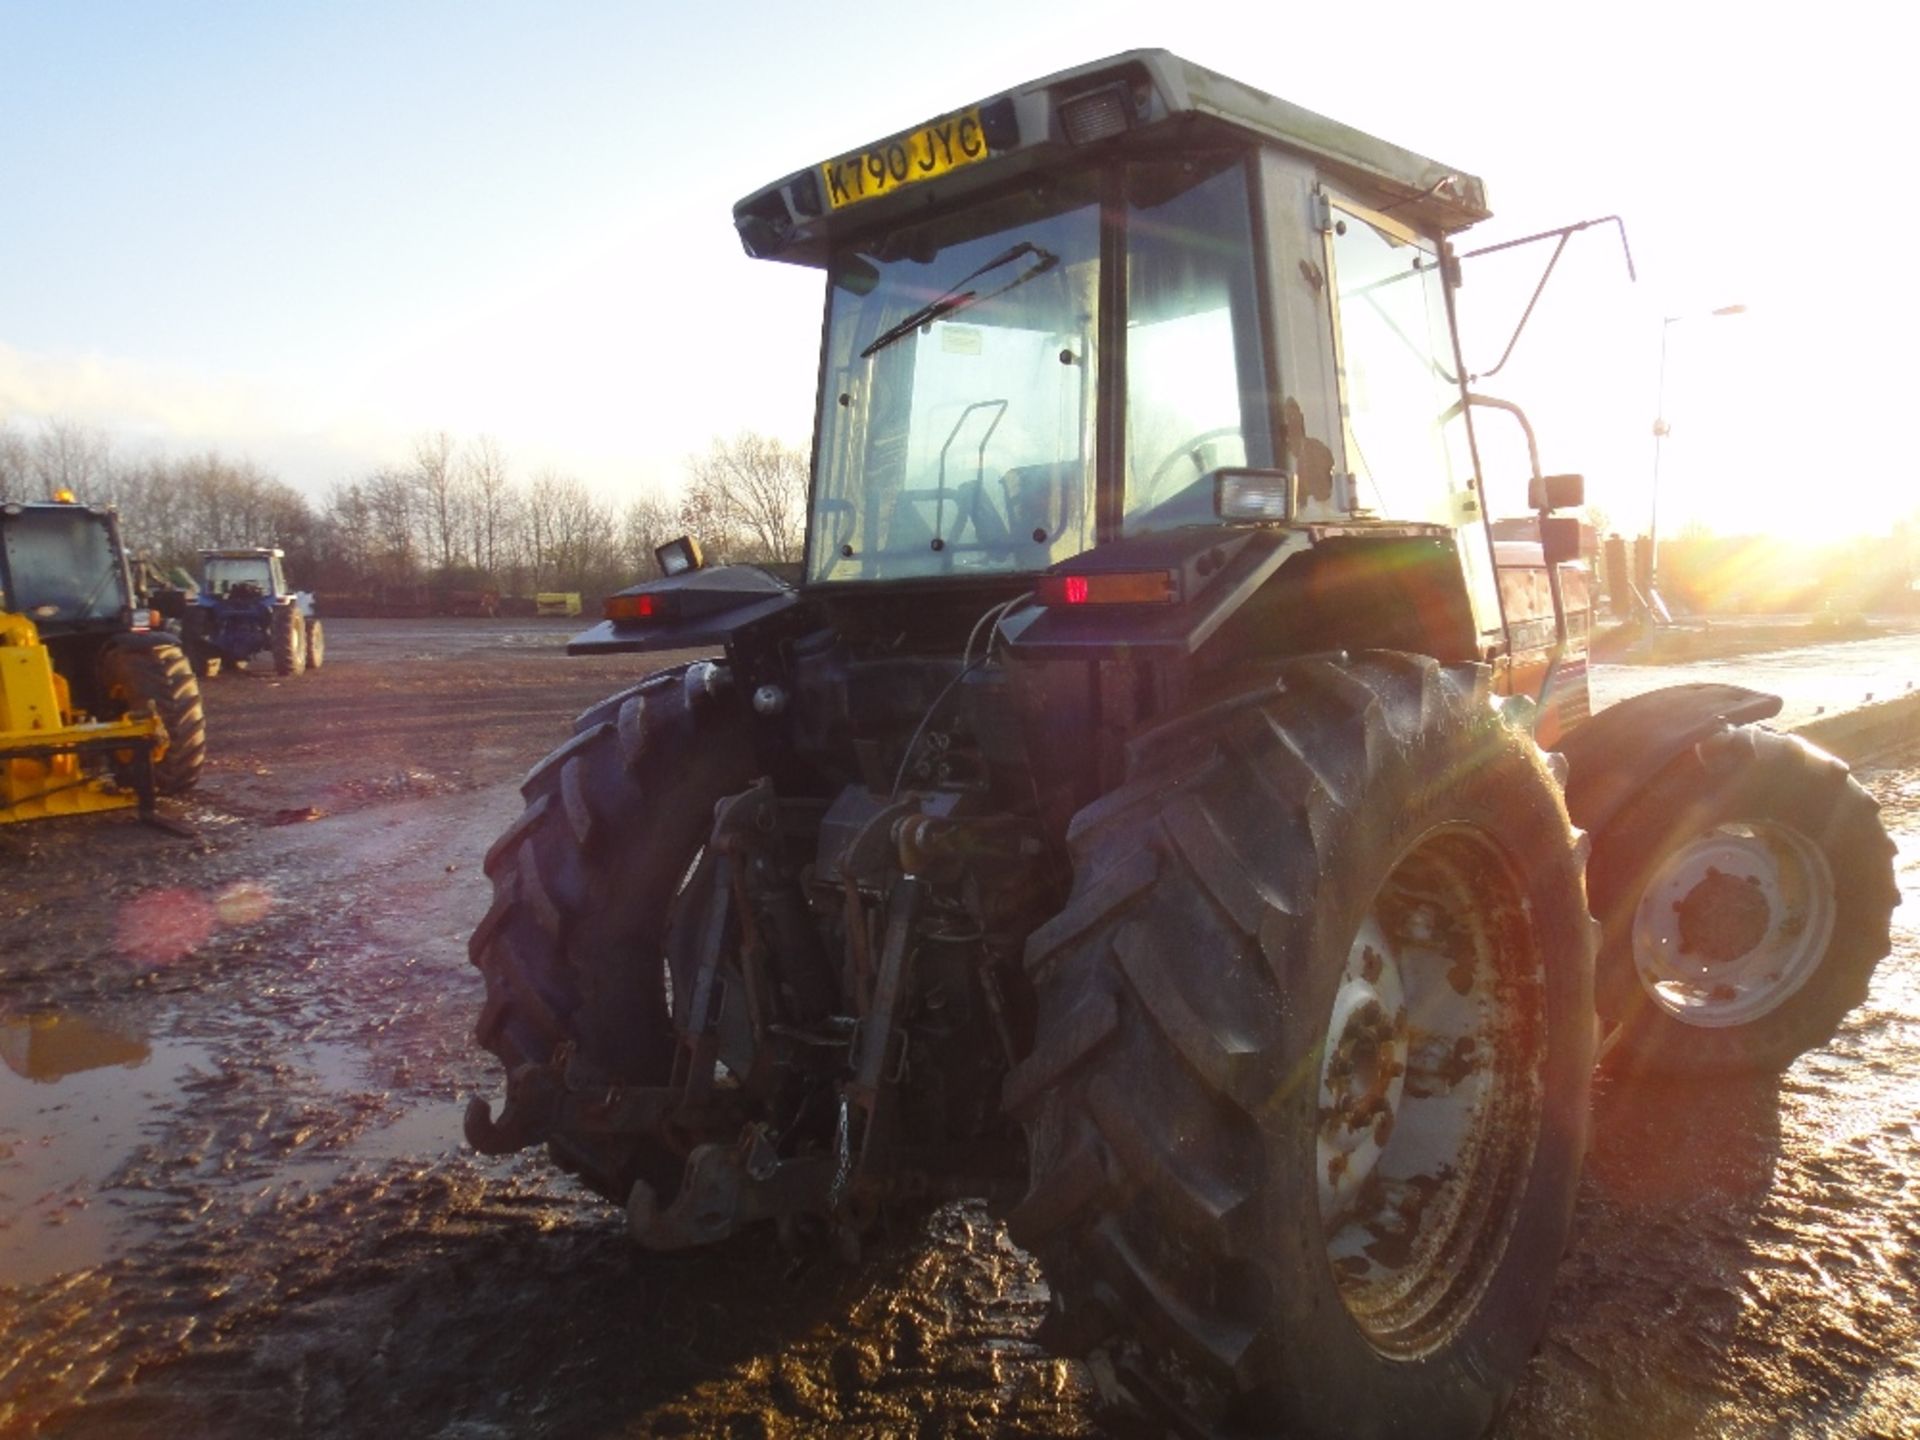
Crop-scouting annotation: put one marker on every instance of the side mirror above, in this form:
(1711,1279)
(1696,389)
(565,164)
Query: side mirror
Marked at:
(1557,492)
(1560,538)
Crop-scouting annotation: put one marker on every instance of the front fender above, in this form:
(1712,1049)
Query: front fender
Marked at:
(143,639)
(1611,756)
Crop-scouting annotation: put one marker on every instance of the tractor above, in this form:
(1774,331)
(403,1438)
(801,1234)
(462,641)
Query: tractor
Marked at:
(244,607)
(98,707)
(1162,806)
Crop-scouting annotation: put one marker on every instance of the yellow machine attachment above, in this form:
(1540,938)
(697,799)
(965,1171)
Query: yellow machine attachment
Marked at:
(53,761)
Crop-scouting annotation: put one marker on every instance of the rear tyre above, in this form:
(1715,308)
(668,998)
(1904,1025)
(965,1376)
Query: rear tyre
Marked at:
(160,674)
(316,644)
(289,641)
(585,885)
(1308,1096)
(1745,895)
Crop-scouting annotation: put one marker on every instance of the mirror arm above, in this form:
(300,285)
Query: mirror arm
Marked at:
(1527,314)
(1565,233)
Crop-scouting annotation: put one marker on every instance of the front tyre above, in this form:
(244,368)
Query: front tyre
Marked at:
(160,675)
(1307,1101)
(1745,895)
(316,644)
(197,642)
(289,641)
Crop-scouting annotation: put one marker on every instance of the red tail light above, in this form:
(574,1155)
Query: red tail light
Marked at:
(1122,587)
(630,607)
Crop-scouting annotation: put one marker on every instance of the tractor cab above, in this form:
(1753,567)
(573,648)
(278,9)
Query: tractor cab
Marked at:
(242,575)
(1125,302)
(1172,362)
(64,569)
(63,566)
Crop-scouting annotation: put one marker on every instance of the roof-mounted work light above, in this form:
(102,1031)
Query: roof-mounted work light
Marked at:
(679,557)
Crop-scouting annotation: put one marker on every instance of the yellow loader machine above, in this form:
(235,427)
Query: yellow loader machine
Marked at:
(98,710)
(1164,804)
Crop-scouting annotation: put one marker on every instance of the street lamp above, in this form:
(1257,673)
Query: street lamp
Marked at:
(1660,429)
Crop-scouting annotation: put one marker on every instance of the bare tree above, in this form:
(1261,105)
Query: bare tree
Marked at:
(16,464)
(584,547)
(748,495)
(71,456)
(170,509)
(648,523)
(489,491)
(391,497)
(347,536)
(540,517)
(437,478)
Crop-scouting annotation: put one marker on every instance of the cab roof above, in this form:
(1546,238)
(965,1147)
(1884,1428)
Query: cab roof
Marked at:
(1145,97)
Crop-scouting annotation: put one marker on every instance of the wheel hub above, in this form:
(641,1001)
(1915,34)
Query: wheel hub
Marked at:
(1363,1075)
(1732,922)
(1723,917)
(1429,1090)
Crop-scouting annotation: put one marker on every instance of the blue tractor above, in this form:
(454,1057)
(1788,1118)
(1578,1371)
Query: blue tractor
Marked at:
(245,607)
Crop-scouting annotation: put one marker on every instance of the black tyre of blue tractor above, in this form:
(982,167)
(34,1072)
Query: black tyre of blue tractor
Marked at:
(161,675)
(316,643)
(1745,896)
(585,883)
(194,639)
(288,636)
(1319,928)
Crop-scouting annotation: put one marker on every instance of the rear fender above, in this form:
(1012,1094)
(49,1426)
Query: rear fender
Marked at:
(698,608)
(1612,756)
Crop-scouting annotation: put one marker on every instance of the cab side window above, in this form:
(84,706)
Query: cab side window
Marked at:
(1406,442)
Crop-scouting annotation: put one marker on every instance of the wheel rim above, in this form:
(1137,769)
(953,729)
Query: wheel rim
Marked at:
(1733,922)
(1430,1091)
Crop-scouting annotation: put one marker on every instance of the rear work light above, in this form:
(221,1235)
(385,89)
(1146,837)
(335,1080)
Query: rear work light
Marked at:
(1098,116)
(631,607)
(677,557)
(1121,587)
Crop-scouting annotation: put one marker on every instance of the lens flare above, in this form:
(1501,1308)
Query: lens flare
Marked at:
(245,902)
(163,925)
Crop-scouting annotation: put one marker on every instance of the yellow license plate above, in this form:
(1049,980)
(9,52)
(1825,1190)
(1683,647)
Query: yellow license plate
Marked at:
(924,154)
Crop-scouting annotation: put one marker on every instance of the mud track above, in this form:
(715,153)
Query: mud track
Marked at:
(234,1200)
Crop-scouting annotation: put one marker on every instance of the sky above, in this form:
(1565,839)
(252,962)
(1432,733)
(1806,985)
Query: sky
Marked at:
(308,233)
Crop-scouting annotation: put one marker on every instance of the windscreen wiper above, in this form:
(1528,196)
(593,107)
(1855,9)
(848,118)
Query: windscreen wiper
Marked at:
(958,298)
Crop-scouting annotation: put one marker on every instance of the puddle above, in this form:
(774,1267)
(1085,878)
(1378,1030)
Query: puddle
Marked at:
(417,1130)
(423,1132)
(76,1096)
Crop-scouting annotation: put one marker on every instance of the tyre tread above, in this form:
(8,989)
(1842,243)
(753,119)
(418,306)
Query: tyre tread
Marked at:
(1156,1064)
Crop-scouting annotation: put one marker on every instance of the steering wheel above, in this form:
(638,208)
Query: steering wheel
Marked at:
(1188,450)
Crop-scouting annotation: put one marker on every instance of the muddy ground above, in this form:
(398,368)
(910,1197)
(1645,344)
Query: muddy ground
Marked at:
(234,1200)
